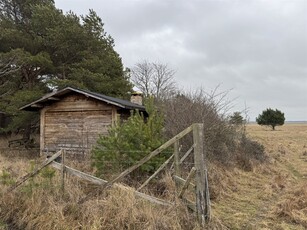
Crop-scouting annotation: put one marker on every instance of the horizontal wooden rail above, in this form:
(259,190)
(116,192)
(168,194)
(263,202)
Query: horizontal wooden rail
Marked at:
(98,181)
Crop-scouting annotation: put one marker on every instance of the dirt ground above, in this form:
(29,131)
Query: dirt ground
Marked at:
(273,195)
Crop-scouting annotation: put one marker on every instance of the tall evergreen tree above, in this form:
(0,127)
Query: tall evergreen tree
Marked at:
(41,48)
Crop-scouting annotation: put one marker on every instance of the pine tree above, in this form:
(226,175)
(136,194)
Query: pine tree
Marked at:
(42,49)
(130,141)
(270,117)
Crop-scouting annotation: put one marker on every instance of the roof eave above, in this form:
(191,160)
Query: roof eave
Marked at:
(35,106)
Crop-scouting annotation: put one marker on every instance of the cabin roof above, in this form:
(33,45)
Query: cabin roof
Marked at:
(56,96)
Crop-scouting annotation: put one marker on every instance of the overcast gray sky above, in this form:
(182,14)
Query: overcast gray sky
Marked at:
(255,48)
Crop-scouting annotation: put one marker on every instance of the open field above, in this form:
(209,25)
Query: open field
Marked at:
(272,195)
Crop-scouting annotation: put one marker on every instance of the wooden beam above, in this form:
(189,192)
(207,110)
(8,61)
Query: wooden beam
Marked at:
(176,158)
(42,130)
(77,173)
(63,171)
(114,116)
(203,211)
(36,171)
(187,182)
(151,155)
(156,172)
(208,203)
(187,154)
(189,204)
(98,181)
(182,181)
(184,156)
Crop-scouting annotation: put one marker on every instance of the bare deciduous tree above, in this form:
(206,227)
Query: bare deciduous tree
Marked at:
(154,79)
(141,77)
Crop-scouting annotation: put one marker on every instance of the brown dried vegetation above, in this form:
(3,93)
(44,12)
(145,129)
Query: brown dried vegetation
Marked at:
(270,195)
(40,204)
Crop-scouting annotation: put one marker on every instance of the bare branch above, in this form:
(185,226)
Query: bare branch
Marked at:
(142,74)
(153,79)
(163,80)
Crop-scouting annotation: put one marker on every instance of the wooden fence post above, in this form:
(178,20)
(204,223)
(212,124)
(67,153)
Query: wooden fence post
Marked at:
(177,158)
(63,171)
(203,211)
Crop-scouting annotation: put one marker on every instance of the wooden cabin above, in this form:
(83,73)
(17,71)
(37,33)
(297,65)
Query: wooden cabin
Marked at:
(73,119)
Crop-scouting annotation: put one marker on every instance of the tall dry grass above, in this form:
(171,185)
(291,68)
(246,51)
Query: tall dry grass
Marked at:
(270,195)
(293,206)
(40,204)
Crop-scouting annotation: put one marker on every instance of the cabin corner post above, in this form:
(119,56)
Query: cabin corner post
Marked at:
(114,116)
(42,130)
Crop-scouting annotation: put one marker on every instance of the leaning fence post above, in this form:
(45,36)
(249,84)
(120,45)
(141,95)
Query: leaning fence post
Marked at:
(202,208)
(187,182)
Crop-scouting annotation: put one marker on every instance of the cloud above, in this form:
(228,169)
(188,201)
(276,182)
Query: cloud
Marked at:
(257,48)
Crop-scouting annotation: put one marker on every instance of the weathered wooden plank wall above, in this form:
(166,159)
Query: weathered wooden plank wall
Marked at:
(75,123)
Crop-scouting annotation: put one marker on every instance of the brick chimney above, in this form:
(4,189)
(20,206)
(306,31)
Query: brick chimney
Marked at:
(137,98)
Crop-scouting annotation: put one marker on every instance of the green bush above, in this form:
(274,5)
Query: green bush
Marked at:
(129,141)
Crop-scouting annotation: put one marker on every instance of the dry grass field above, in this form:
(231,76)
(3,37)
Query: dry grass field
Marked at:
(272,195)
